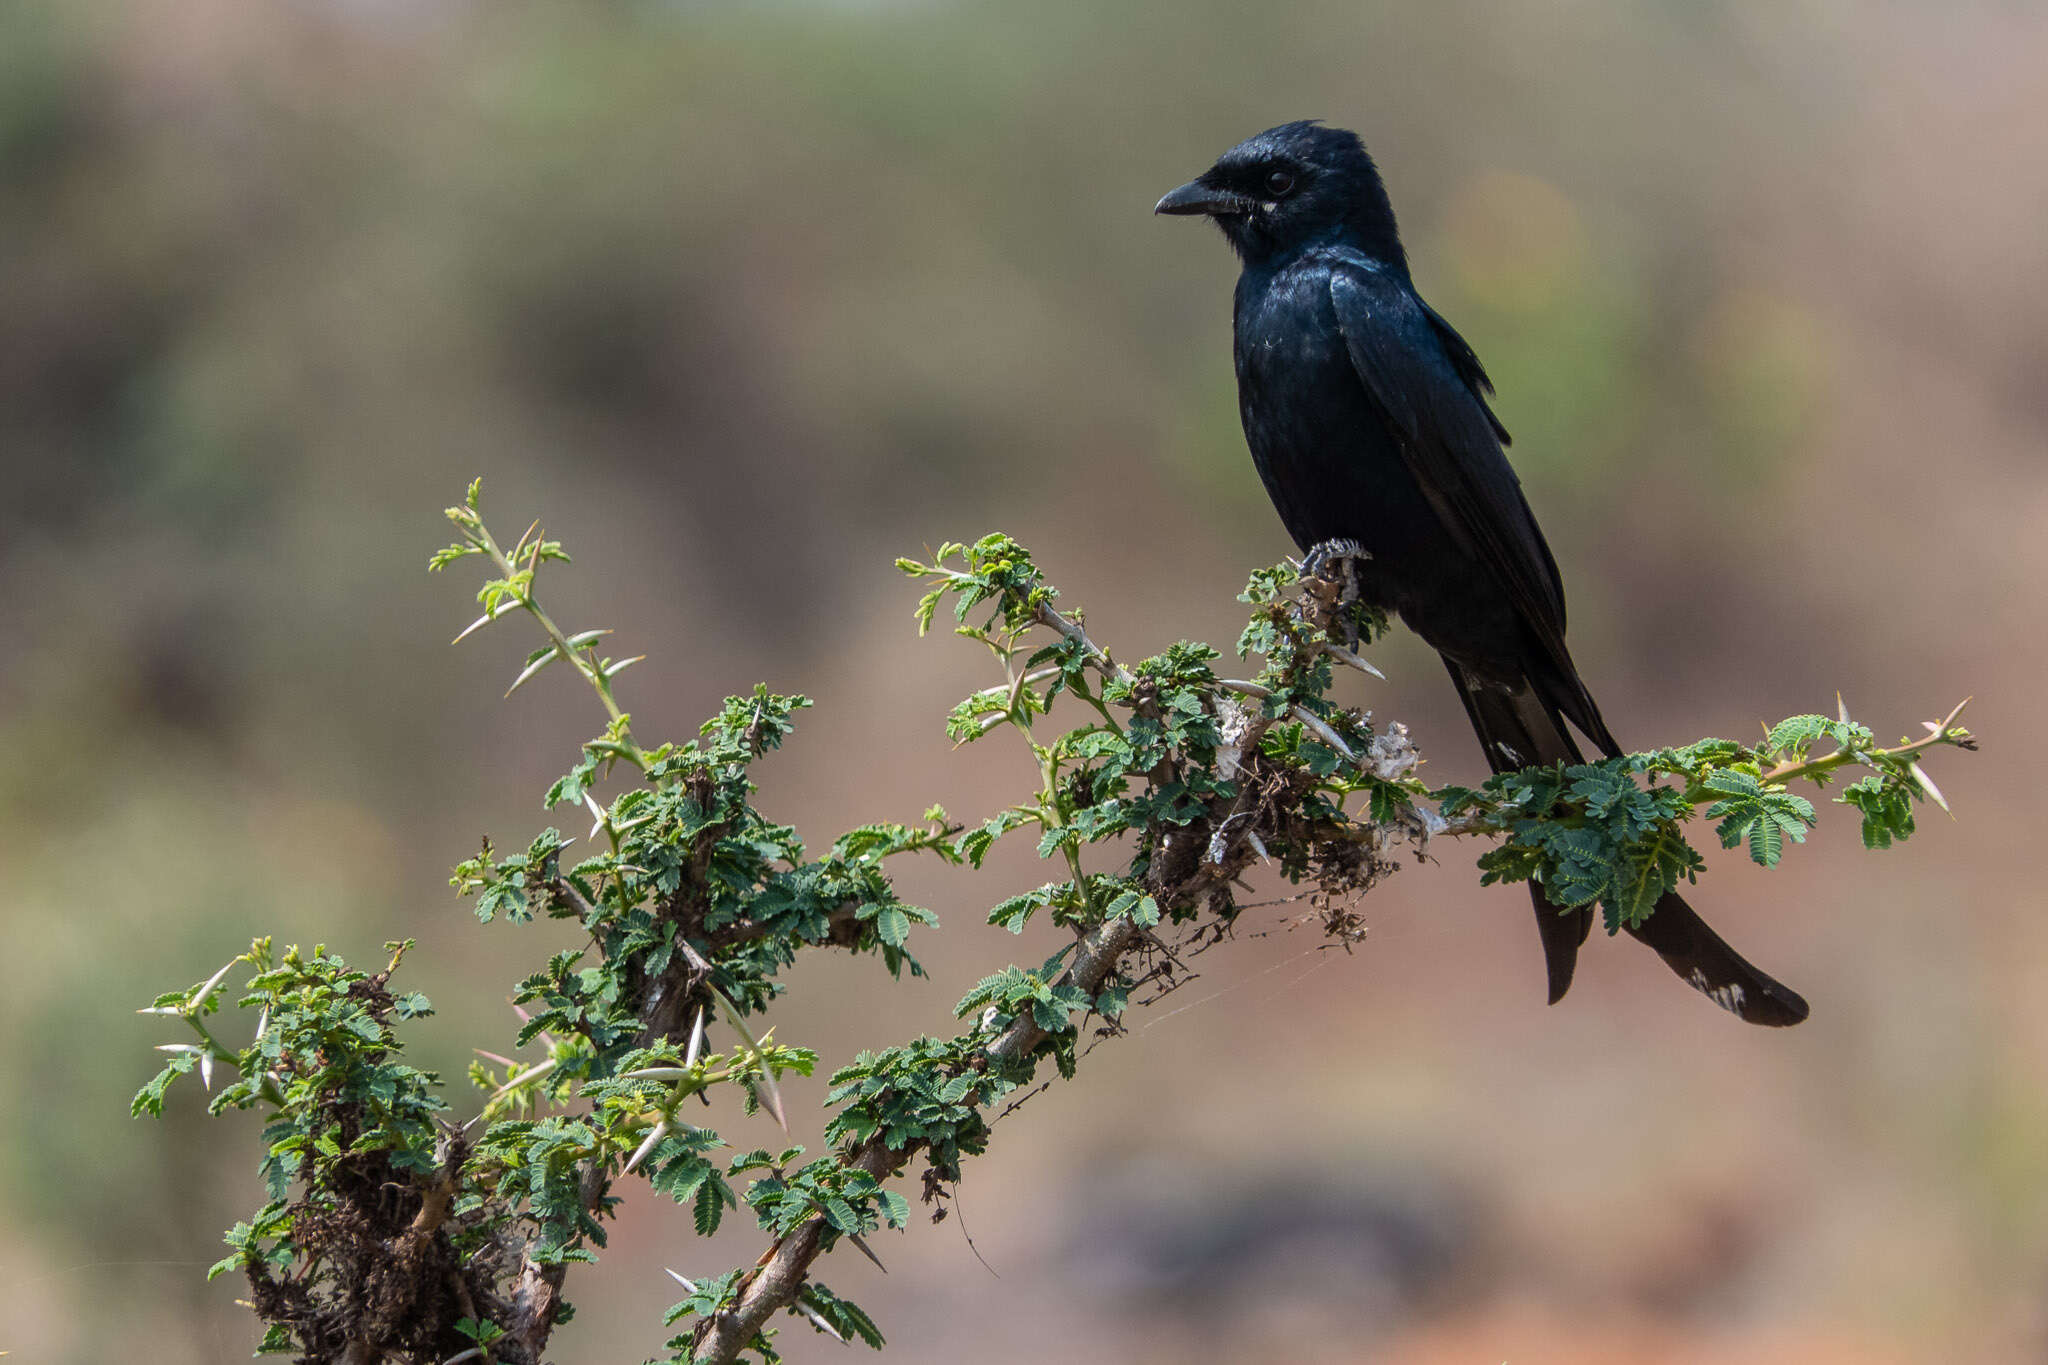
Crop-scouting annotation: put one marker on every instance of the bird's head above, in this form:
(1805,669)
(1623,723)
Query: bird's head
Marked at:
(1294,186)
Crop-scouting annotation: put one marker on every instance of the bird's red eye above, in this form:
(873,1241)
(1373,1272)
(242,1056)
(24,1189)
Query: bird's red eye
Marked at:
(1278,183)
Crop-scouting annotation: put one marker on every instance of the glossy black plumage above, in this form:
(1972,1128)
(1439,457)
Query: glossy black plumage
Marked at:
(1366,415)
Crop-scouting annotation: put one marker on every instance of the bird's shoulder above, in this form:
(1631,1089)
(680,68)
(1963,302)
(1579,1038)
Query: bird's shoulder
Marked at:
(1368,293)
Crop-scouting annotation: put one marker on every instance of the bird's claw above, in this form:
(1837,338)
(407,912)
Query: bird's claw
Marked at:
(1337,564)
(1330,554)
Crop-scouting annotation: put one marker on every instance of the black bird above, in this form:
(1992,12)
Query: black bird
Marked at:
(1367,417)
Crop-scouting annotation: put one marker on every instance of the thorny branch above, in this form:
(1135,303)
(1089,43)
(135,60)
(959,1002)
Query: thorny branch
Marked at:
(1228,840)
(1213,774)
(1221,847)
(780,1276)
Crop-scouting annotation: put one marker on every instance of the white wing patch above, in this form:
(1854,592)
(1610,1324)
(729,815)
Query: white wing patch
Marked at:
(1728,997)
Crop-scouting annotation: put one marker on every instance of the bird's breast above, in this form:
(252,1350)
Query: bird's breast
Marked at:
(1329,458)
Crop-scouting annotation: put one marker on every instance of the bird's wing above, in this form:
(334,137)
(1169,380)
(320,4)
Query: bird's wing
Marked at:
(1466,361)
(1449,438)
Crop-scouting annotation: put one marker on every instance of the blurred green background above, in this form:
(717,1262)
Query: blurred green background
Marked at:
(748,299)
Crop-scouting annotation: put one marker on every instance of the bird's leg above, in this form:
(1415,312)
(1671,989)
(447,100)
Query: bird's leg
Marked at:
(1338,562)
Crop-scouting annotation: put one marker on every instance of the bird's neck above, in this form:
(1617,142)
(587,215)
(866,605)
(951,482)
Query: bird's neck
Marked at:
(1381,243)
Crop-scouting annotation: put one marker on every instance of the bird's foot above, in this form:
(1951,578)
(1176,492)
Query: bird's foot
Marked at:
(1333,566)
(1342,555)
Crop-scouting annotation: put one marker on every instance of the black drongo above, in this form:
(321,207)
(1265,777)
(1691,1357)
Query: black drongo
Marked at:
(1367,417)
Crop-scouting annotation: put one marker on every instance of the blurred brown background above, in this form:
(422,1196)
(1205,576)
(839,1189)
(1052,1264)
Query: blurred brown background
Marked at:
(746,300)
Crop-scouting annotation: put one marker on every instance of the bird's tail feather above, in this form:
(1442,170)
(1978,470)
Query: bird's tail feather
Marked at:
(1518,729)
(1707,964)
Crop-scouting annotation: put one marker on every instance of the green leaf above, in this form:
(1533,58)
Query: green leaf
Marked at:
(712,1196)
(1013,914)
(1796,733)
(150,1099)
(1733,781)
(483,1333)
(840,1214)
(895,1208)
(1887,807)
(1766,840)
(1650,869)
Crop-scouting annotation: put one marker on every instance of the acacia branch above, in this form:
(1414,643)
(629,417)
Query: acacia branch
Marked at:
(1215,797)
(1188,861)
(1939,732)
(1053,619)
(1297,712)
(778,1280)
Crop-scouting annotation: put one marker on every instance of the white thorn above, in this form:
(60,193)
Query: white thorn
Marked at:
(199,1000)
(531,1074)
(696,1040)
(819,1322)
(484,620)
(1346,656)
(536,666)
(770,1095)
(1927,785)
(683,1280)
(654,1135)
(473,627)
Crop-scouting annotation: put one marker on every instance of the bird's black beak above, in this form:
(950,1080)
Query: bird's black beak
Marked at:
(1196,197)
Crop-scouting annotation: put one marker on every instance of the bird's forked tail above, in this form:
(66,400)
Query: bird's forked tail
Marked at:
(1519,729)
